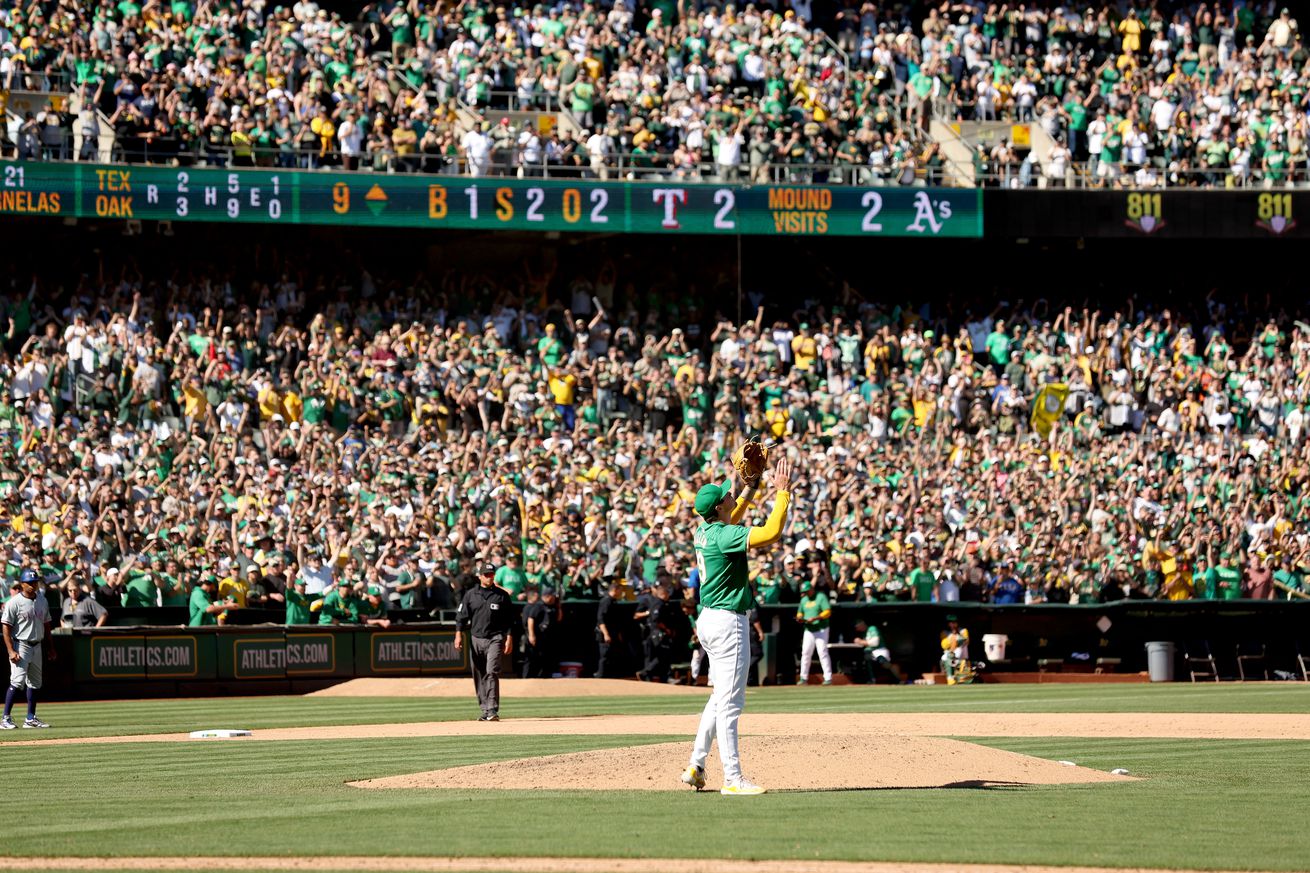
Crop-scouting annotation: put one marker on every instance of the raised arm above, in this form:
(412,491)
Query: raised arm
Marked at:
(770,532)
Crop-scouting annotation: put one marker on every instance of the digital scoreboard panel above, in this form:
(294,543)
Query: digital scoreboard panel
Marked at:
(413,201)
(693,208)
(1149,214)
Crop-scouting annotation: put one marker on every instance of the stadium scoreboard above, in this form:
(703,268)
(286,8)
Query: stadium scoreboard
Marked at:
(488,203)
(310,197)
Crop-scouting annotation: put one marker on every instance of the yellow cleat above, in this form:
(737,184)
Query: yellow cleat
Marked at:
(694,776)
(741,788)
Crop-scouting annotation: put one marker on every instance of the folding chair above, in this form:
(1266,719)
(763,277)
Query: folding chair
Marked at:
(1253,654)
(1200,662)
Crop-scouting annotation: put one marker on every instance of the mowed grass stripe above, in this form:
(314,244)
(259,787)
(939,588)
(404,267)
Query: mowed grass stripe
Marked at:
(1197,761)
(1203,804)
(118,718)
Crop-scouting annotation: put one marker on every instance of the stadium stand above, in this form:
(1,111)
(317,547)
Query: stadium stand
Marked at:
(175,419)
(1177,94)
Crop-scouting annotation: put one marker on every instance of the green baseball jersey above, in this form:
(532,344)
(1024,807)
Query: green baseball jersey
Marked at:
(337,608)
(511,579)
(922,582)
(412,598)
(175,591)
(298,608)
(1230,581)
(770,590)
(1206,585)
(721,560)
(139,590)
(364,609)
(199,603)
(812,611)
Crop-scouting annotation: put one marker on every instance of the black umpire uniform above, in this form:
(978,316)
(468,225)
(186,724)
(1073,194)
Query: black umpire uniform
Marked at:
(540,618)
(488,614)
(662,623)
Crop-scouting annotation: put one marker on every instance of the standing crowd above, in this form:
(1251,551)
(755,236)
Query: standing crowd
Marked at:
(1190,93)
(343,445)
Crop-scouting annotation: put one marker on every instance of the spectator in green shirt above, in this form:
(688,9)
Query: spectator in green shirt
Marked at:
(512,578)
(922,580)
(339,606)
(204,611)
(297,602)
(998,346)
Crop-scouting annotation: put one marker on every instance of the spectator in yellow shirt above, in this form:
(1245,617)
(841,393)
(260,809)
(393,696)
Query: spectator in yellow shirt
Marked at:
(777,418)
(232,591)
(1131,30)
(293,408)
(805,349)
(270,403)
(243,154)
(194,402)
(326,131)
(562,386)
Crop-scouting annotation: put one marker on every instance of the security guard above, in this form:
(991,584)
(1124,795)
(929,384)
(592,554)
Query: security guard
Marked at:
(488,614)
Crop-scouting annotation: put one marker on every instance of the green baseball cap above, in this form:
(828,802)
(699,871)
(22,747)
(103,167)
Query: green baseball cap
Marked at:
(710,496)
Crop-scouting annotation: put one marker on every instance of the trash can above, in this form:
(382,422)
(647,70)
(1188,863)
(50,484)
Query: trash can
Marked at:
(994,646)
(1160,661)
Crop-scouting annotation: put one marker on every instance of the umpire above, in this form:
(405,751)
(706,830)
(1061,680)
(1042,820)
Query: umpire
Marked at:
(488,614)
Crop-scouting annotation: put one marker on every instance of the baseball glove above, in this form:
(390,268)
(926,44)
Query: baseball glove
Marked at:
(750,459)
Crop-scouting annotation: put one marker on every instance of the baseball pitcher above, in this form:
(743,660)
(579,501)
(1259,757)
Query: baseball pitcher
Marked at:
(721,544)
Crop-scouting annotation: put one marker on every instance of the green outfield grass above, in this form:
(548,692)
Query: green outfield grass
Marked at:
(118,718)
(1201,804)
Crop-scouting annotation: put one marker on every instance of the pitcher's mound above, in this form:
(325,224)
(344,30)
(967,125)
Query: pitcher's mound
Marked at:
(779,763)
(511,689)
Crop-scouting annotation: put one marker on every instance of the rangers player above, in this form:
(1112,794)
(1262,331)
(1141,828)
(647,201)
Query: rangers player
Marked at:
(26,621)
(725,596)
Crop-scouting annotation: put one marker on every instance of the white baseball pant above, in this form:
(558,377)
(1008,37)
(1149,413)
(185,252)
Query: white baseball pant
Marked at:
(815,639)
(27,672)
(723,636)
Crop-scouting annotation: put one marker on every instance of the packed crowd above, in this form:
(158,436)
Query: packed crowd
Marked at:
(1207,93)
(267,442)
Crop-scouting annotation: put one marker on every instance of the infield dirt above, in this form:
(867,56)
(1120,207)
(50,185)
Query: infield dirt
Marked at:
(831,763)
(1135,725)
(510,689)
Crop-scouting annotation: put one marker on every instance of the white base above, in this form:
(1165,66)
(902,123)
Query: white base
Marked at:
(218,734)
